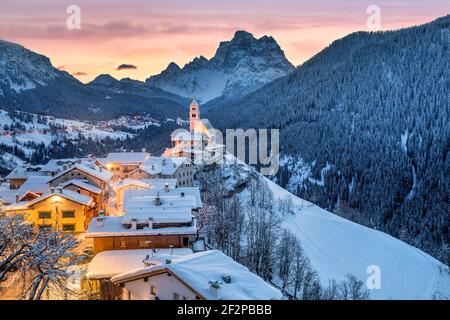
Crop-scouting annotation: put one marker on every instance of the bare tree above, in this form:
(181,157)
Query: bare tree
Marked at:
(16,238)
(52,260)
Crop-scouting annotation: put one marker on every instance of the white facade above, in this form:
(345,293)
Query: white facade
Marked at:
(165,286)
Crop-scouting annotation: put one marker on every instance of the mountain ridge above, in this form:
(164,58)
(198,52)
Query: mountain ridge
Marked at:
(240,65)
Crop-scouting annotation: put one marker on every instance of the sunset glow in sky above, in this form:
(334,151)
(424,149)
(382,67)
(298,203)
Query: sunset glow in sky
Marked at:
(150,34)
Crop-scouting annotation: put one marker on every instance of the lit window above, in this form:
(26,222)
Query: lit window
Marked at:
(68,214)
(153,290)
(44,214)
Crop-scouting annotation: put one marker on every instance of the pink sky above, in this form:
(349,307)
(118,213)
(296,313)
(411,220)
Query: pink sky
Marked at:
(151,34)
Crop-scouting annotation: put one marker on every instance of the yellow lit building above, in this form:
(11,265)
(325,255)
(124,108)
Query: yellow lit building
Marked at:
(60,210)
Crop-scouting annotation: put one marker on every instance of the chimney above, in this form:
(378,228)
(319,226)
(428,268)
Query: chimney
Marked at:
(214,288)
(52,189)
(157,199)
(166,187)
(17,198)
(133,224)
(99,222)
(150,223)
(101,169)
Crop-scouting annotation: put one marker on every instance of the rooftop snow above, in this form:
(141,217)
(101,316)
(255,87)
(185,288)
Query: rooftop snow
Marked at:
(67,194)
(126,157)
(197,269)
(23,172)
(83,184)
(107,264)
(112,226)
(90,169)
(191,196)
(36,184)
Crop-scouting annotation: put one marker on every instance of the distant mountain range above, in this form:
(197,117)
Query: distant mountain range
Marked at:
(29,82)
(239,66)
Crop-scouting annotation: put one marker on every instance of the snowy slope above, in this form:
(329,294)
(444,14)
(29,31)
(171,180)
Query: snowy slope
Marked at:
(337,246)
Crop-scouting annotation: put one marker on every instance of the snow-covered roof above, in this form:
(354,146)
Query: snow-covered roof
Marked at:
(207,124)
(111,226)
(174,197)
(25,171)
(7,195)
(107,264)
(126,157)
(55,165)
(158,214)
(36,184)
(83,184)
(89,169)
(63,193)
(130,182)
(157,183)
(162,165)
(198,269)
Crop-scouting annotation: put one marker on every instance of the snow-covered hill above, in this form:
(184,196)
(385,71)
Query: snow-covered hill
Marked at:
(336,246)
(238,67)
(22,69)
(24,131)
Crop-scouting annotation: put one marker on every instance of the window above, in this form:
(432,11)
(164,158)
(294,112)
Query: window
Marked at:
(122,244)
(153,290)
(68,214)
(185,241)
(44,214)
(176,296)
(45,228)
(68,227)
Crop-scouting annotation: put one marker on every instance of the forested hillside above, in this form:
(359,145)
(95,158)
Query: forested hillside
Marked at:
(369,117)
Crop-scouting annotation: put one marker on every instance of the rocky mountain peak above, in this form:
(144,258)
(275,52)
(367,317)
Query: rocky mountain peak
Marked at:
(239,65)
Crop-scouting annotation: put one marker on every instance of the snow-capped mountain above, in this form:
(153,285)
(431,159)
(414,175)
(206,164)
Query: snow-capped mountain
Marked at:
(22,69)
(238,67)
(30,83)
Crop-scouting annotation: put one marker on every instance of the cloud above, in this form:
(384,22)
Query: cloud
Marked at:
(79,73)
(125,66)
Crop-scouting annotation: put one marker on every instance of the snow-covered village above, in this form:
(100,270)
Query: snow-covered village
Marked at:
(276,167)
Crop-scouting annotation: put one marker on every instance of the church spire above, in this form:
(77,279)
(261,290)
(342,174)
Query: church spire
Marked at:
(194,114)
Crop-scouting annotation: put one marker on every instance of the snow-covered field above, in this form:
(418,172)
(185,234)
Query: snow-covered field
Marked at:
(337,246)
(19,133)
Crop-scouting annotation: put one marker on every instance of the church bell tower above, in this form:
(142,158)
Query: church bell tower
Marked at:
(194,115)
